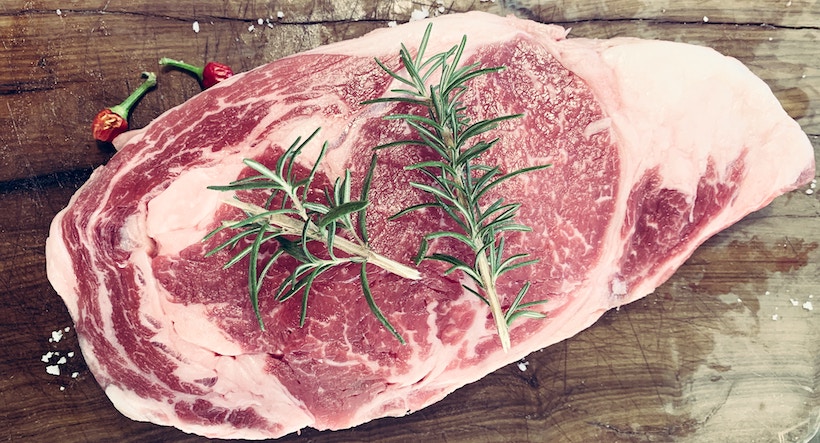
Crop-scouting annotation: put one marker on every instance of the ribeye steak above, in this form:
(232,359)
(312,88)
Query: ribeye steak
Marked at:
(655,147)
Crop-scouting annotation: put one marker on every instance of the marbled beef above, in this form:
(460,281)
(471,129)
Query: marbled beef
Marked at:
(655,147)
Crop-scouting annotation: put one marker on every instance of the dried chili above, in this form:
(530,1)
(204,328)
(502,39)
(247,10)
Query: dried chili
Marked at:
(208,75)
(113,121)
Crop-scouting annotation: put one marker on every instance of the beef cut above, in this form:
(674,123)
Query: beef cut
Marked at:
(655,147)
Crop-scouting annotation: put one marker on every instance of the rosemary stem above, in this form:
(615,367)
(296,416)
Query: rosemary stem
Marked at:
(293,226)
(492,297)
(483,265)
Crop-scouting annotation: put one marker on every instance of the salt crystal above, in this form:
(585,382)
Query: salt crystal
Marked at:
(61,361)
(280,14)
(62,388)
(56,335)
(809,191)
(808,306)
(46,357)
(392,24)
(67,328)
(70,354)
(59,12)
(705,19)
(53,369)
(195,26)
(420,14)
(75,374)
(775,316)
(522,365)
(251,28)
(767,293)
(794,302)
(260,22)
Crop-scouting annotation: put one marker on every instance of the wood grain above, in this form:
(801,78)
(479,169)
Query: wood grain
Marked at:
(718,353)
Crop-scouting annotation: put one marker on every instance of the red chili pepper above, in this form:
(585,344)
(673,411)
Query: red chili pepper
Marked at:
(209,75)
(113,121)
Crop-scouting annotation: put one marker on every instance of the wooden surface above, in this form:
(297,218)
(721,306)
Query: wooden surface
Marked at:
(719,353)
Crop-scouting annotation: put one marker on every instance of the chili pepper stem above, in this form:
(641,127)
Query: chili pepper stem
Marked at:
(124,109)
(196,70)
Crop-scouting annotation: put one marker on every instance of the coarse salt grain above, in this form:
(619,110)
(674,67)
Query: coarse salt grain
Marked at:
(794,302)
(705,19)
(61,361)
(392,24)
(46,357)
(59,12)
(775,316)
(53,369)
(251,28)
(195,27)
(809,191)
(420,14)
(62,388)
(808,306)
(56,336)
(75,374)
(260,22)
(70,354)
(522,365)
(280,14)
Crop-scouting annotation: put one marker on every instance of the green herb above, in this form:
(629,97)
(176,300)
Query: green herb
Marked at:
(297,222)
(458,180)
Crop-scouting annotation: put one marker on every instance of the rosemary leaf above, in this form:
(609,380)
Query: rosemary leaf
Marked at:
(458,181)
(297,224)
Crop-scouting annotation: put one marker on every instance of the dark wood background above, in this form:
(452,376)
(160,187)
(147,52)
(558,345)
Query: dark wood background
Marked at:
(719,353)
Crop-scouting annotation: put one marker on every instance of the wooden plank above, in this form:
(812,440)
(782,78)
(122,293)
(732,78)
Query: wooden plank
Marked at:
(703,359)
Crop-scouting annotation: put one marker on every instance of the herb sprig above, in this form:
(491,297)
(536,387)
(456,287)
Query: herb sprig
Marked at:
(295,223)
(458,180)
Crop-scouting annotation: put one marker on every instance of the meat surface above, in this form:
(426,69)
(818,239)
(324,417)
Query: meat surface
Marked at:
(655,147)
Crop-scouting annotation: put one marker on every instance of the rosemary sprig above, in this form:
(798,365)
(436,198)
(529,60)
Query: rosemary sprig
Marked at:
(458,180)
(295,223)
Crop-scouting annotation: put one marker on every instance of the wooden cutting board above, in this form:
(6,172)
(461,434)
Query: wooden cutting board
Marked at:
(727,350)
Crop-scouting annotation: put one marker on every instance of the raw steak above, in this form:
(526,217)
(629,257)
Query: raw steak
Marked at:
(656,146)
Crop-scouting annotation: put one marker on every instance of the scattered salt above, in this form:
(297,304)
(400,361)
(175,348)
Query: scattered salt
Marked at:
(56,336)
(62,388)
(46,357)
(771,38)
(794,302)
(67,328)
(53,369)
(522,365)
(775,316)
(260,22)
(251,28)
(61,361)
(59,12)
(392,24)
(70,354)
(75,374)
(195,26)
(767,293)
(705,19)
(808,306)
(280,14)
(420,14)
(809,191)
